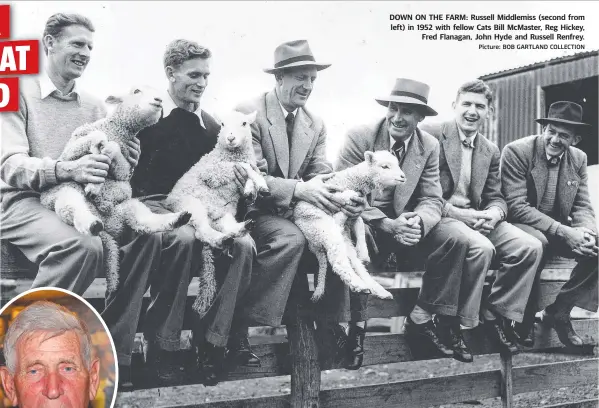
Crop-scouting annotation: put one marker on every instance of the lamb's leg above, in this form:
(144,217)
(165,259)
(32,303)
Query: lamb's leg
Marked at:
(71,207)
(258,180)
(321,256)
(142,220)
(202,224)
(359,230)
(231,228)
(375,287)
(77,148)
(325,233)
(120,168)
(111,261)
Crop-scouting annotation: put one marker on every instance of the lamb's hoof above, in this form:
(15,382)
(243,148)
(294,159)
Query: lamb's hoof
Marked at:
(364,259)
(384,295)
(96,227)
(183,219)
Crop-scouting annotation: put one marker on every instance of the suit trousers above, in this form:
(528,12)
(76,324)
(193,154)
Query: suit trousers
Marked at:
(580,290)
(164,264)
(65,258)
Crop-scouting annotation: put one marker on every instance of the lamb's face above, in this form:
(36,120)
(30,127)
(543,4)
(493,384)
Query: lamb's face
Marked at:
(235,129)
(384,168)
(143,105)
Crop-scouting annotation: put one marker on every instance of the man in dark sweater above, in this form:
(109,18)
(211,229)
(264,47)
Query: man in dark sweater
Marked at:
(170,148)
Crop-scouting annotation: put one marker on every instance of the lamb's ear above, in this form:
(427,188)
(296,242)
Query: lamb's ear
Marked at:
(114,99)
(251,118)
(369,157)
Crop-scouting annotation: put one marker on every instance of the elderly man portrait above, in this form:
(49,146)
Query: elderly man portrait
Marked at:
(469,172)
(169,149)
(545,183)
(48,353)
(407,220)
(290,146)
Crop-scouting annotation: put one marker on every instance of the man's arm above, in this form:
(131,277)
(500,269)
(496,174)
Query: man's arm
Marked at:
(582,212)
(513,185)
(492,195)
(429,193)
(17,168)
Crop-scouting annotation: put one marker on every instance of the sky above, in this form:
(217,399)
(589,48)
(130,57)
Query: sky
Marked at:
(354,37)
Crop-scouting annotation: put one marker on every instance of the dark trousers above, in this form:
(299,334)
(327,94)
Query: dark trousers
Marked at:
(580,290)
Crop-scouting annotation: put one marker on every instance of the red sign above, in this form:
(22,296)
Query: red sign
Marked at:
(19,57)
(4,21)
(9,94)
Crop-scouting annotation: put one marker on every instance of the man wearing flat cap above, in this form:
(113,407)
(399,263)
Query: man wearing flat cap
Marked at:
(407,219)
(469,171)
(544,180)
(290,147)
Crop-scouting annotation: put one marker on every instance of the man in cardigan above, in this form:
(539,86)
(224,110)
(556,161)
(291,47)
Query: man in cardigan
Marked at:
(408,217)
(289,142)
(544,180)
(169,149)
(469,172)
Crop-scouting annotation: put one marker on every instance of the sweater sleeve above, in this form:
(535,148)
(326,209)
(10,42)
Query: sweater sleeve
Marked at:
(17,168)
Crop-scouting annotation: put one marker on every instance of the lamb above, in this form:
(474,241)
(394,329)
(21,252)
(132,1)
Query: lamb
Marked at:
(328,236)
(209,193)
(106,209)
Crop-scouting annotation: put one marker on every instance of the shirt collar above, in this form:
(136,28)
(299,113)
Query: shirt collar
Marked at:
(168,104)
(550,157)
(405,143)
(47,87)
(463,136)
(285,111)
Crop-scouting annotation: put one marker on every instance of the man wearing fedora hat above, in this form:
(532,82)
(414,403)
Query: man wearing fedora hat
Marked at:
(544,180)
(469,172)
(410,216)
(290,146)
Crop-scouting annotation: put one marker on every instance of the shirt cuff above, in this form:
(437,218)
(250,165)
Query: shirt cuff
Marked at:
(446,208)
(553,228)
(49,170)
(502,214)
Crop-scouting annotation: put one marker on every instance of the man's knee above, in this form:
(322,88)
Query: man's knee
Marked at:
(293,238)
(243,246)
(531,247)
(482,247)
(184,236)
(90,246)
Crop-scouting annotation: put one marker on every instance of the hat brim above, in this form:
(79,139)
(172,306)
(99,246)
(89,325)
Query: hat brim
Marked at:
(426,110)
(544,121)
(319,67)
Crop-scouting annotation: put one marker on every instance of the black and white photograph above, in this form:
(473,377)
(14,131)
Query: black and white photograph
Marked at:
(311,203)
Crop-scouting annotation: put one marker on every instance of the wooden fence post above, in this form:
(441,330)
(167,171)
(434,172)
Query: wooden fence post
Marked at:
(507,392)
(305,367)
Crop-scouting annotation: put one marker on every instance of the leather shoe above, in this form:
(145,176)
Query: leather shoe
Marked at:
(334,339)
(239,352)
(355,346)
(125,383)
(563,328)
(210,359)
(161,364)
(495,330)
(452,336)
(523,335)
(426,334)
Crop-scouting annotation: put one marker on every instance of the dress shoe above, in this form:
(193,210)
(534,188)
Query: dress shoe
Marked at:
(210,360)
(125,383)
(495,330)
(355,346)
(523,334)
(563,328)
(239,352)
(161,364)
(427,336)
(450,334)
(334,339)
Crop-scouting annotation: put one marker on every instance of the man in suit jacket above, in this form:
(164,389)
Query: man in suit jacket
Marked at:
(469,172)
(544,180)
(409,215)
(289,143)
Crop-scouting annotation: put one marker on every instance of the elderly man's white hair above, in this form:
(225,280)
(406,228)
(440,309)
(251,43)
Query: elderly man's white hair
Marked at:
(49,318)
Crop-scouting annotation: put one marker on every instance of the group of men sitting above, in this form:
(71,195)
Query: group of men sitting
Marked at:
(463,207)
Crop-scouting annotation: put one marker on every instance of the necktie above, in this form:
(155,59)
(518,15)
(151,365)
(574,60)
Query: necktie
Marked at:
(468,143)
(398,150)
(554,161)
(289,121)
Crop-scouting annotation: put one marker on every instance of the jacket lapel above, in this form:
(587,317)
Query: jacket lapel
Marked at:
(301,141)
(412,168)
(481,160)
(453,151)
(568,184)
(539,170)
(278,132)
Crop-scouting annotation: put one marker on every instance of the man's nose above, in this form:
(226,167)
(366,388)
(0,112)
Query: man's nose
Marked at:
(85,51)
(555,139)
(308,84)
(201,81)
(53,386)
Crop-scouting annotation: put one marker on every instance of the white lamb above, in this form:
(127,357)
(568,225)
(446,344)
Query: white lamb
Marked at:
(329,237)
(209,193)
(106,209)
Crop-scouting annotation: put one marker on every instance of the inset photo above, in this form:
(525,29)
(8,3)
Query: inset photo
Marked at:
(55,350)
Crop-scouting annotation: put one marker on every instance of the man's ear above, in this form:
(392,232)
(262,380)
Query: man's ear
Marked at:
(8,383)
(94,379)
(49,42)
(576,140)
